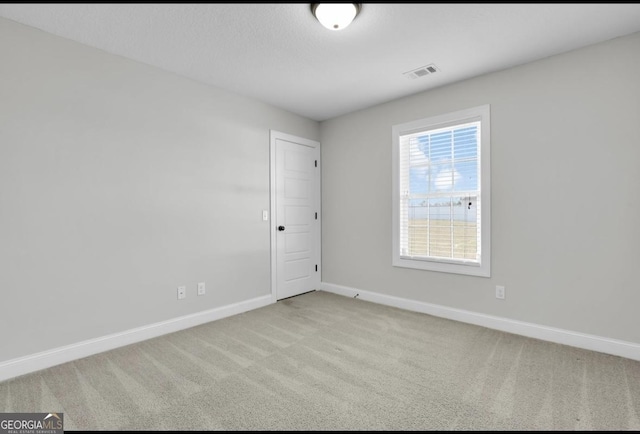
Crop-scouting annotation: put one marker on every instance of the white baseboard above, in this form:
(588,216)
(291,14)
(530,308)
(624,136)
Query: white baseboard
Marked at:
(615,347)
(56,356)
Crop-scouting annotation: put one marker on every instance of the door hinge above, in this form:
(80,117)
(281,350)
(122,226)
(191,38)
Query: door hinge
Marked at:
(316,268)
(316,163)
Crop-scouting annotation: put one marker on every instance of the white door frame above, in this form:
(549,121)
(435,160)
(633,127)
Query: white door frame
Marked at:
(273,136)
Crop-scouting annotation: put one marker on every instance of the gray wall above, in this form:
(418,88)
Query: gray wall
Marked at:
(565,140)
(119,182)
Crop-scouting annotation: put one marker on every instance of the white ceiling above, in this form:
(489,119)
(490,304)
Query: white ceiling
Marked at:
(278,53)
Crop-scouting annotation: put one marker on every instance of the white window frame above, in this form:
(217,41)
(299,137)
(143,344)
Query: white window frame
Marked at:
(483,268)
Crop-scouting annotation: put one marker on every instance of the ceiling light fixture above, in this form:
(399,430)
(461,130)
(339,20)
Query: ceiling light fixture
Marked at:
(335,16)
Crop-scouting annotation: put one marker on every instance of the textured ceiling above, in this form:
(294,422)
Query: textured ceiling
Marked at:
(278,53)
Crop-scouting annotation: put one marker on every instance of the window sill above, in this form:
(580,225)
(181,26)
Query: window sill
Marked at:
(481,270)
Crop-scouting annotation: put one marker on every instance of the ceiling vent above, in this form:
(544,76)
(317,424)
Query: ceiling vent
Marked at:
(422,71)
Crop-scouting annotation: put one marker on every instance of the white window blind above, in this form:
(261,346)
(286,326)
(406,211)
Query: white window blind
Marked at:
(441,193)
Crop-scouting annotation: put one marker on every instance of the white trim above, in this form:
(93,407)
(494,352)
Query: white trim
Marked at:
(56,356)
(273,136)
(615,347)
(481,113)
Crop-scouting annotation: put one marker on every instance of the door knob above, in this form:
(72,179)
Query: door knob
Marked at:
(281,228)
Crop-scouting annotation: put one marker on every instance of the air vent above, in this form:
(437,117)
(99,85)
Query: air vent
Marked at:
(422,71)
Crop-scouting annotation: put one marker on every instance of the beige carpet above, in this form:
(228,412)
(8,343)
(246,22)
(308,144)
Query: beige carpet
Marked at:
(321,361)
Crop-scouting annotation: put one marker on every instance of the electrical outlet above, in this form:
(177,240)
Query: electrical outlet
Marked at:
(500,292)
(201,288)
(182,292)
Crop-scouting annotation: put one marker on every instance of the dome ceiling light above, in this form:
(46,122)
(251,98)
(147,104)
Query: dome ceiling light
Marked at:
(335,16)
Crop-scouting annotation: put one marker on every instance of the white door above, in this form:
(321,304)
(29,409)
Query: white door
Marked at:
(295,216)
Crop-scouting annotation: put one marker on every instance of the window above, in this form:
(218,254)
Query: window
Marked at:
(441,193)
